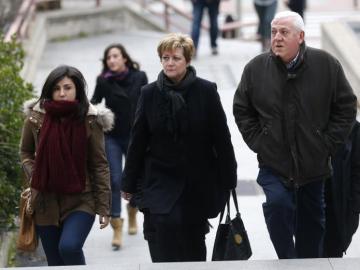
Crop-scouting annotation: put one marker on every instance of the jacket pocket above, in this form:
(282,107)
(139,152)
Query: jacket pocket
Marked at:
(258,142)
(312,150)
(321,138)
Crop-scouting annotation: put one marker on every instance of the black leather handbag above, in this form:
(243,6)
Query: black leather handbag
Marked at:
(231,241)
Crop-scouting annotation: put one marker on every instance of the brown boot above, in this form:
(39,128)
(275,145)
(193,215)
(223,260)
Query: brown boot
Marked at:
(132,219)
(117,224)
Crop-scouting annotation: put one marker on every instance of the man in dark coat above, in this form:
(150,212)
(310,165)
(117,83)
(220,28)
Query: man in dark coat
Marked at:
(342,197)
(294,107)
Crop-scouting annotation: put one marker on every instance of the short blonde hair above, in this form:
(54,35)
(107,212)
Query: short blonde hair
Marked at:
(173,41)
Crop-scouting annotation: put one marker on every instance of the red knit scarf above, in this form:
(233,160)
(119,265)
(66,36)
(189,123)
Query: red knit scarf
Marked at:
(60,161)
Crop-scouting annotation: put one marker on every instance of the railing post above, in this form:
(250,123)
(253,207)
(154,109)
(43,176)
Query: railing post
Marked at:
(167,17)
(239,16)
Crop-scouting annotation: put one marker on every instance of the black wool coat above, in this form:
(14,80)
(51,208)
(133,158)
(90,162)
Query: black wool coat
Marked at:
(121,98)
(196,167)
(344,189)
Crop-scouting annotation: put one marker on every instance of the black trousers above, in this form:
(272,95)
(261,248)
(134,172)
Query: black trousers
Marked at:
(333,242)
(173,237)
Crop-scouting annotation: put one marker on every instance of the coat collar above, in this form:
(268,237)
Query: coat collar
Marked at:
(103,115)
(300,59)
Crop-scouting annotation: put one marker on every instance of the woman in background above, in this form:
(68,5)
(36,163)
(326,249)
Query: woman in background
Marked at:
(119,85)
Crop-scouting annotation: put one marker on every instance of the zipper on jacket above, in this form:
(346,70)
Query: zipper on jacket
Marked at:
(297,171)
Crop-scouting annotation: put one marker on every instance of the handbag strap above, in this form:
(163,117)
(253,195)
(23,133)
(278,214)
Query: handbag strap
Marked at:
(223,211)
(233,194)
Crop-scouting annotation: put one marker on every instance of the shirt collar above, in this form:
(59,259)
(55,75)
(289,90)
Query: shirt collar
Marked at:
(292,63)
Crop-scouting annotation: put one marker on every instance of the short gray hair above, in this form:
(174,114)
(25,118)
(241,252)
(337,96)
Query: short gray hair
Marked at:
(295,18)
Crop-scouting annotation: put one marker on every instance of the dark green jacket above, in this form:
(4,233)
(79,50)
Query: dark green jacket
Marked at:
(294,120)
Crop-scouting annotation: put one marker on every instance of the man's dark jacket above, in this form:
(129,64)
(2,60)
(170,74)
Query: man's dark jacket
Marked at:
(196,167)
(121,97)
(294,120)
(343,195)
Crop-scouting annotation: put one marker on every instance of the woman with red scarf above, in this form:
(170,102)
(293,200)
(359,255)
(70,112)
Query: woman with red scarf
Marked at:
(62,149)
(119,85)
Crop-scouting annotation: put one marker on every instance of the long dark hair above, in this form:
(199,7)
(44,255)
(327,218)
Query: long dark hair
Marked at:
(131,64)
(76,76)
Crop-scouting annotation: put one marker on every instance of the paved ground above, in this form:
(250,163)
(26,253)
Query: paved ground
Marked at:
(225,69)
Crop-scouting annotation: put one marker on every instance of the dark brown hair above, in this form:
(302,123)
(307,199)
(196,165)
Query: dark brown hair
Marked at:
(129,62)
(78,79)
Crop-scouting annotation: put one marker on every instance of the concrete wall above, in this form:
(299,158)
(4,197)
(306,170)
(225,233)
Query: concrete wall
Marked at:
(339,39)
(5,241)
(64,24)
(94,21)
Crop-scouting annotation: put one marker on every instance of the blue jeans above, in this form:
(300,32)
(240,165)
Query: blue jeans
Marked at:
(115,149)
(265,14)
(293,213)
(198,10)
(63,244)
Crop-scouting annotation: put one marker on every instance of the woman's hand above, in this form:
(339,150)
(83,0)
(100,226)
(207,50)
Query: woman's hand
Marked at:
(104,221)
(126,196)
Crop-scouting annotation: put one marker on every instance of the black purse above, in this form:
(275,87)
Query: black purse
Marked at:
(231,241)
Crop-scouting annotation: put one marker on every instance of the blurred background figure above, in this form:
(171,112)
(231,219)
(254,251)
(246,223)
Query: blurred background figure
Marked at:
(298,6)
(198,11)
(119,84)
(265,10)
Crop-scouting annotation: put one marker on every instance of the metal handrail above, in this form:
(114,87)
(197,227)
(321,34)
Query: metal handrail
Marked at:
(20,25)
(168,7)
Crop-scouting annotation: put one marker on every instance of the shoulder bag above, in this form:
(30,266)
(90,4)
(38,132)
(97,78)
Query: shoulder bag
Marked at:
(231,241)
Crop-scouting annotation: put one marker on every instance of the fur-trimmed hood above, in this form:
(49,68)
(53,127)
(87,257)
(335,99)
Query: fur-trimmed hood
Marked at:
(104,116)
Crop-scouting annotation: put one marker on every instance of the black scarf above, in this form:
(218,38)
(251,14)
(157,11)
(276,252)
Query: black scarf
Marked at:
(172,105)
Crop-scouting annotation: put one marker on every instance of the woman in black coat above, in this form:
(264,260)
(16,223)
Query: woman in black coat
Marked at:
(342,197)
(180,148)
(119,84)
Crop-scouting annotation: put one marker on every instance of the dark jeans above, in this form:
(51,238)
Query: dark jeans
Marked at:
(175,238)
(293,213)
(115,149)
(265,14)
(198,11)
(63,245)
